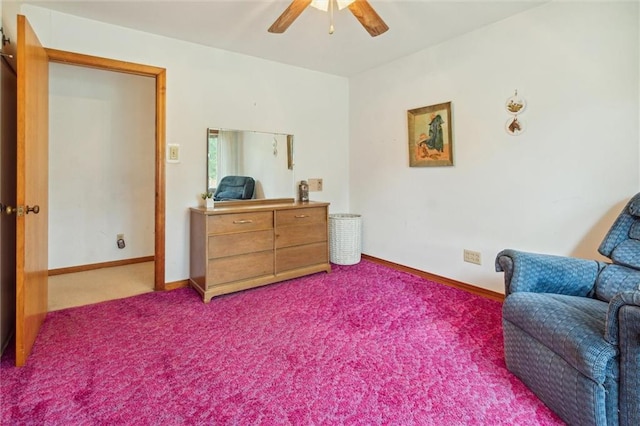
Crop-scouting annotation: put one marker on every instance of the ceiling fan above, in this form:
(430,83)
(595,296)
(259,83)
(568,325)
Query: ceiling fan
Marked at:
(361,9)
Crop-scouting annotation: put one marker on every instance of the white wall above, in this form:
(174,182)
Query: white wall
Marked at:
(556,188)
(101,165)
(214,88)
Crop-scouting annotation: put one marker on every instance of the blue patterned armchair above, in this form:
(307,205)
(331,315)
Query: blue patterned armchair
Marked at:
(235,188)
(572,326)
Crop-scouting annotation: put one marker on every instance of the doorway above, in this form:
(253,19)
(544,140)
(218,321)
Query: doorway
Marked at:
(101,185)
(159,74)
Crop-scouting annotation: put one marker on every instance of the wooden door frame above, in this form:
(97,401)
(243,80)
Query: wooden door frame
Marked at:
(159,74)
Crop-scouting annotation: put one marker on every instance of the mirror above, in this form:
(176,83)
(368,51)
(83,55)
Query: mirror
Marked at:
(266,157)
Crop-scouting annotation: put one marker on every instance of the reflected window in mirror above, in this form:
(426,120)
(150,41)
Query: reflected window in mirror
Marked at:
(212,159)
(265,157)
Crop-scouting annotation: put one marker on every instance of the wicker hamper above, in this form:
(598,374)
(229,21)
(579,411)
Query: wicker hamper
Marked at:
(345,239)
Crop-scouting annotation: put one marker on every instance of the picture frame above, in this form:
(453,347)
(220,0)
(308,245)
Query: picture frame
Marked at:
(430,136)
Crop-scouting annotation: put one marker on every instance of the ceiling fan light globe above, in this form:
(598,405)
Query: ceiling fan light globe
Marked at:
(324,4)
(344,3)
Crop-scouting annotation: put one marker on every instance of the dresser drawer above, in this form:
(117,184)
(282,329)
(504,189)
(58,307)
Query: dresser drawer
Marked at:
(301,216)
(239,222)
(234,268)
(287,236)
(223,245)
(301,256)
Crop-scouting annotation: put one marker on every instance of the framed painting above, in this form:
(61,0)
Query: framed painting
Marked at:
(430,141)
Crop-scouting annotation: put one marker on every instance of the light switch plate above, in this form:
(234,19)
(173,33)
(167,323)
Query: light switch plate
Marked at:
(173,153)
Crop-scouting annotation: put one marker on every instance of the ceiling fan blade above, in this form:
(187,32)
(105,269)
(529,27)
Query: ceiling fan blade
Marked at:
(289,15)
(368,17)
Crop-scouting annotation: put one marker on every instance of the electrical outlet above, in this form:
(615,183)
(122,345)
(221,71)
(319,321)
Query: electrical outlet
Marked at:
(472,257)
(315,184)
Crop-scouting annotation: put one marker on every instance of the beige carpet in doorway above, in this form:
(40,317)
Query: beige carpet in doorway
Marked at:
(84,288)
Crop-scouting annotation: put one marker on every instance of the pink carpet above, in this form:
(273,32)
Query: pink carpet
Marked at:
(363,345)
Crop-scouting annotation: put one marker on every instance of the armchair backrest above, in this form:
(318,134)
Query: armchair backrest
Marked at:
(622,246)
(235,188)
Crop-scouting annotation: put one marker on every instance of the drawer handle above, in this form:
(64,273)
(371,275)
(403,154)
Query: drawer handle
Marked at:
(301,216)
(240,222)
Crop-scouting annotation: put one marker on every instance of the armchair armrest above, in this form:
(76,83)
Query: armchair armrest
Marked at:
(623,329)
(544,273)
(621,300)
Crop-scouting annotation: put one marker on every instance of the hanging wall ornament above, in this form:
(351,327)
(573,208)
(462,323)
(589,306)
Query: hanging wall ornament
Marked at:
(514,125)
(515,105)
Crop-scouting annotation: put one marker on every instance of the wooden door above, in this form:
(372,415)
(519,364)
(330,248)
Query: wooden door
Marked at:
(32,189)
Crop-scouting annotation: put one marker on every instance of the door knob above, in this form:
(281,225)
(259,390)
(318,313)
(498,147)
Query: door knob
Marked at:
(6,209)
(19,210)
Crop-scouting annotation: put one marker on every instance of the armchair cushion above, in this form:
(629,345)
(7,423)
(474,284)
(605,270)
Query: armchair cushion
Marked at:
(620,230)
(627,253)
(634,207)
(229,195)
(615,279)
(571,326)
(634,231)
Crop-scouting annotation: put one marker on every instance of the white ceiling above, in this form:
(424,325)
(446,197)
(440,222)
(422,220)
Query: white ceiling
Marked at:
(241,26)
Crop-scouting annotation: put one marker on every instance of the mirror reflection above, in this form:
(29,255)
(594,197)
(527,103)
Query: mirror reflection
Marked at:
(243,164)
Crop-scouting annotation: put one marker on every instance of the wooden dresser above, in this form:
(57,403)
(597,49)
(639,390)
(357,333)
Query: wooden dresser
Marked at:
(245,244)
